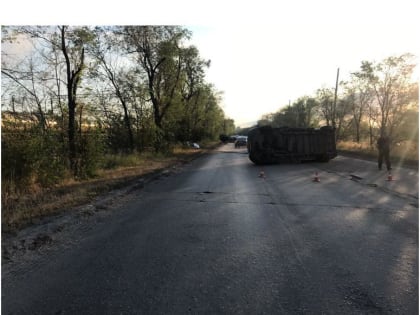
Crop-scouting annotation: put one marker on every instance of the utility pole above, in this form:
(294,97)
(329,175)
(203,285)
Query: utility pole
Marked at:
(335,99)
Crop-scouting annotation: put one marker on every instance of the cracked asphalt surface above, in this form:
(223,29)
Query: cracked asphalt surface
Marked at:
(215,237)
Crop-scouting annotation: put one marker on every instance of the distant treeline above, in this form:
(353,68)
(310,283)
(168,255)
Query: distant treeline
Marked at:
(379,98)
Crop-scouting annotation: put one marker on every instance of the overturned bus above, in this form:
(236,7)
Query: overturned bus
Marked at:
(267,145)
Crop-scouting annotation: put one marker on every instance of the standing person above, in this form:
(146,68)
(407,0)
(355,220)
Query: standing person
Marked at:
(383,150)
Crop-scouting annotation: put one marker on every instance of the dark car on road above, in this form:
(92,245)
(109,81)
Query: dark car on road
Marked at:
(241,142)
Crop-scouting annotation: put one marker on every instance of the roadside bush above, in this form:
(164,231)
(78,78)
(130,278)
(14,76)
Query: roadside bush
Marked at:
(91,154)
(16,162)
(49,159)
(31,158)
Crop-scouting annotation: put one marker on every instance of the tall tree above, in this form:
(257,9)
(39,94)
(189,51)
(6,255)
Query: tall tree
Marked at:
(159,54)
(106,51)
(72,43)
(360,95)
(325,98)
(192,87)
(390,80)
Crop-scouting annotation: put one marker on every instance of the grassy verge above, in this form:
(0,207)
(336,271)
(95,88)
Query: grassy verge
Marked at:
(402,154)
(24,209)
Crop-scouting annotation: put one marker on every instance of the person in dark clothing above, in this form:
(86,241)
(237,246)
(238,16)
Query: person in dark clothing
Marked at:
(383,149)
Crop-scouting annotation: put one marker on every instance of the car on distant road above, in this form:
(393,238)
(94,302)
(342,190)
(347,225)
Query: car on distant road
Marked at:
(241,141)
(232,139)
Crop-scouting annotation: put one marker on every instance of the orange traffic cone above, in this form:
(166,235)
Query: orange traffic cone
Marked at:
(316,178)
(389,179)
(261,175)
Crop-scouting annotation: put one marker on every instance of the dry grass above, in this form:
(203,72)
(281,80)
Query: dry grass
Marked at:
(21,210)
(403,152)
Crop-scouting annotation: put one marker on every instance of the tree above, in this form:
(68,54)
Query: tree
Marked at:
(303,111)
(360,96)
(106,53)
(228,126)
(192,87)
(72,47)
(28,80)
(71,42)
(159,55)
(325,98)
(342,111)
(27,71)
(87,103)
(300,114)
(390,82)
(266,120)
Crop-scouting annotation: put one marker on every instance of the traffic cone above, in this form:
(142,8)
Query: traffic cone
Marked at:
(261,175)
(316,178)
(389,179)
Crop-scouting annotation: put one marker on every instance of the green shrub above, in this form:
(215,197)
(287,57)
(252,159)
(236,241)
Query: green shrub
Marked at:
(31,157)
(91,154)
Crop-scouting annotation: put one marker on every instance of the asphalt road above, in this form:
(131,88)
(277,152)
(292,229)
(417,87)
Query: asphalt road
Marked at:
(218,238)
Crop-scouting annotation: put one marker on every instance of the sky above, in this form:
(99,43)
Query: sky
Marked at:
(264,54)
(261,68)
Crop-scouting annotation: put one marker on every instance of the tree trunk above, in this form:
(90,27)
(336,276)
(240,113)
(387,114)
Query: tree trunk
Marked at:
(73,79)
(128,125)
(72,138)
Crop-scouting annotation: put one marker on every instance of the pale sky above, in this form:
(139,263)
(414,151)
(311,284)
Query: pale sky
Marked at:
(261,67)
(264,53)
